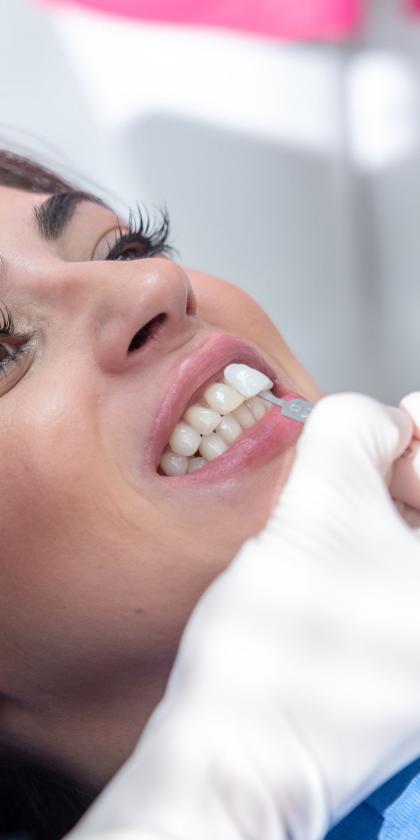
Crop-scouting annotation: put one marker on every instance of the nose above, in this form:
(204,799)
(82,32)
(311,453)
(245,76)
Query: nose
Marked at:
(129,303)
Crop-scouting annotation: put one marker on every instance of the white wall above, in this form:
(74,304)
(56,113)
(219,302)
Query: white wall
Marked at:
(292,170)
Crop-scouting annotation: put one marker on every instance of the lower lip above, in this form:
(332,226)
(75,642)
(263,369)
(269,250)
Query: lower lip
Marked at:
(271,436)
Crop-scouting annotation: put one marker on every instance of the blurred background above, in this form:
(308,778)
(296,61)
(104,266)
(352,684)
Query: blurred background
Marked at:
(289,160)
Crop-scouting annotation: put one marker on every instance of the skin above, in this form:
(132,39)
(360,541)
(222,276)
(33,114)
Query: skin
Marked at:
(100,567)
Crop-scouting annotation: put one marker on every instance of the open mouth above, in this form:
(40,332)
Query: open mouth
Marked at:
(224,409)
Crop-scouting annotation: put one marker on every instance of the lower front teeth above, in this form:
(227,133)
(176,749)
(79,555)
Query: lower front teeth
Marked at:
(195,464)
(205,432)
(172,464)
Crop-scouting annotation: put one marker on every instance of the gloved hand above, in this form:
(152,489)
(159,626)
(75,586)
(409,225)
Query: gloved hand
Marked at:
(296,689)
(405,482)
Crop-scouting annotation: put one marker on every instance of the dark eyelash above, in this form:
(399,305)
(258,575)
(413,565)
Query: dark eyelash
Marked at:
(7,327)
(7,330)
(144,230)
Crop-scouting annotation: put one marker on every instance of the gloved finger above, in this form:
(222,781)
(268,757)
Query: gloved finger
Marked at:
(405,482)
(411,404)
(409,514)
(344,457)
(349,431)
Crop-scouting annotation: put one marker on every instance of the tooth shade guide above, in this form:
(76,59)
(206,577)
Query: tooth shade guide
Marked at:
(246,380)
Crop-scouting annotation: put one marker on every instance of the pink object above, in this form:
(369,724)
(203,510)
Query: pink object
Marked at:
(413,5)
(284,19)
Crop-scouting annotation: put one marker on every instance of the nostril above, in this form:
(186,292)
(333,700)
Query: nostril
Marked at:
(148,331)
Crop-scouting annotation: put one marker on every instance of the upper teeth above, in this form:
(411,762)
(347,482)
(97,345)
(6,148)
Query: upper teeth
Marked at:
(208,429)
(204,420)
(223,398)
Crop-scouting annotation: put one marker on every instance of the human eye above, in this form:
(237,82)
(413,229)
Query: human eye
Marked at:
(145,237)
(10,355)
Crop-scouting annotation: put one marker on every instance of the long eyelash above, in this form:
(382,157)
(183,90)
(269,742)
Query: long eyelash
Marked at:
(7,327)
(146,229)
(149,227)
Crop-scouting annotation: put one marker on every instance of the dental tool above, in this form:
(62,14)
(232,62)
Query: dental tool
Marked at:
(251,382)
(296,409)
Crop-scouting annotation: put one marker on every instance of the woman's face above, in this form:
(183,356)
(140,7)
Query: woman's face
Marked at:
(103,557)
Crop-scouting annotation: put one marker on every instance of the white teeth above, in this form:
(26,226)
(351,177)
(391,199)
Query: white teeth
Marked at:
(257,407)
(212,446)
(196,464)
(172,464)
(222,398)
(184,439)
(203,420)
(247,380)
(232,406)
(229,429)
(244,416)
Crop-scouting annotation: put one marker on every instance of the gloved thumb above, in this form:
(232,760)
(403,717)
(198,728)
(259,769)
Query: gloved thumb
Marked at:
(347,450)
(343,427)
(405,484)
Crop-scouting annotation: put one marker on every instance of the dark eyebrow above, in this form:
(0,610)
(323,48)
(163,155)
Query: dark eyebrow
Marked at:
(54,214)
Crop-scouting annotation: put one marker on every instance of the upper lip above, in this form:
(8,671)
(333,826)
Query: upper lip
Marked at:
(191,372)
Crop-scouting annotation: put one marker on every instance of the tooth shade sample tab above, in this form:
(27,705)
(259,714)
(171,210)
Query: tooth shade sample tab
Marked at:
(248,381)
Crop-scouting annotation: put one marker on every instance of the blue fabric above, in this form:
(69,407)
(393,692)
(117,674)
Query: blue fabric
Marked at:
(391,813)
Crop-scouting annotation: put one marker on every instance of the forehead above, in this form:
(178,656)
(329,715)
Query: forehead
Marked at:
(16,207)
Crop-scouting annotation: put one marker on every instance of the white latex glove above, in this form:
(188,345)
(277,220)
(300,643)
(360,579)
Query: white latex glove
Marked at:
(405,483)
(296,689)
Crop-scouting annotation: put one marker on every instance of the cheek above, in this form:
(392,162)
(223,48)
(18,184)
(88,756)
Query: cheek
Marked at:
(225,306)
(83,558)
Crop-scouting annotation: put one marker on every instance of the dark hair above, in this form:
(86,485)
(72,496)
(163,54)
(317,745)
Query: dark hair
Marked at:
(38,799)
(24,174)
